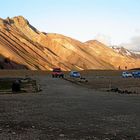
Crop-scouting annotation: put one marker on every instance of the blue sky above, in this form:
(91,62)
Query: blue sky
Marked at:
(110,21)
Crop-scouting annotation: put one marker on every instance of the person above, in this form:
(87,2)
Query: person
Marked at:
(119,68)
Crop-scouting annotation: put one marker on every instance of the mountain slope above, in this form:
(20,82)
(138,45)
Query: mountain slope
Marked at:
(22,43)
(117,59)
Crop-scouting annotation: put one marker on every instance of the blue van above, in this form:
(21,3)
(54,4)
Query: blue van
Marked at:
(136,74)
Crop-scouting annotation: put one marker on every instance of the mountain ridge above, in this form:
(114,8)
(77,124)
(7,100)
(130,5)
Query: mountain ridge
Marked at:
(24,44)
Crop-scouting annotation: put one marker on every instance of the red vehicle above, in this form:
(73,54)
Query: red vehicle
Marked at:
(57,73)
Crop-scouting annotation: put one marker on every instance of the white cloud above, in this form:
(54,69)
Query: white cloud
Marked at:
(134,44)
(137,31)
(104,39)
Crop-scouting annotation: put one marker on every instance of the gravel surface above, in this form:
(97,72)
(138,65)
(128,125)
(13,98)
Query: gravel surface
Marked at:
(65,111)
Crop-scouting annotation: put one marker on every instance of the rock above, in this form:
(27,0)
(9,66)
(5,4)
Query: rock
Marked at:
(61,135)
(114,89)
(33,126)
(106,139)
(13,133)
(7,126)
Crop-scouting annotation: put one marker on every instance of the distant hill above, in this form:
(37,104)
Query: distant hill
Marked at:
(24,45)
(123,51)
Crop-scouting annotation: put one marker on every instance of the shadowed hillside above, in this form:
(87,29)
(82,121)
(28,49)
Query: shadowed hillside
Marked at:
(25,45)
(6,63)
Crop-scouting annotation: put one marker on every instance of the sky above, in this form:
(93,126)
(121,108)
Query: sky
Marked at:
(114,22)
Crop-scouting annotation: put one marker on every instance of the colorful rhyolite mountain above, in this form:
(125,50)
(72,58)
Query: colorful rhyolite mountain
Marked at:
(26,47)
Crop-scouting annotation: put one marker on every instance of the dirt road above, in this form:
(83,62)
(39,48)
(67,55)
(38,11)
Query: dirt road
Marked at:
(64,110)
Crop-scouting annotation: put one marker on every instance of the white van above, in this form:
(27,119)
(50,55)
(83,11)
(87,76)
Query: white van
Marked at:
(126,74)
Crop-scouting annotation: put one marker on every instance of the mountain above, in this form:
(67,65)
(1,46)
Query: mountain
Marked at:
(23,44)
(123,51)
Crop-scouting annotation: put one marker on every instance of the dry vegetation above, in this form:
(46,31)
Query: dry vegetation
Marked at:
(21,73)
(106,80)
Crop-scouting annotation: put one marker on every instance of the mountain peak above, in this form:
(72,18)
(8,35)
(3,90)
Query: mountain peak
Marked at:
(91,41)
(125,52)
(18,21)
(95,42)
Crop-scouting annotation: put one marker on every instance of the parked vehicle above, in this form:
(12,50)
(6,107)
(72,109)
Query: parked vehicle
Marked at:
(57,73)
(75,74)
(126,74)
(136,74)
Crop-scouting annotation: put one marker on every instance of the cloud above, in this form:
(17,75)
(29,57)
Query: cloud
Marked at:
(134,44)
(137,30)
(104,39)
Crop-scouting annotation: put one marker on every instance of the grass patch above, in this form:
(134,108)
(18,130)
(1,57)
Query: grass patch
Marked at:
(4,85)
